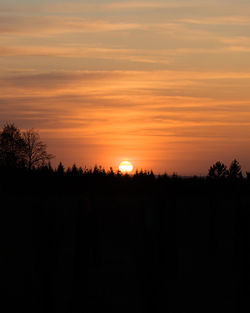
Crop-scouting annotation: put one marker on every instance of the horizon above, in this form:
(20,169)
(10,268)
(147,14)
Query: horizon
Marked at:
(163,84)
(24,150)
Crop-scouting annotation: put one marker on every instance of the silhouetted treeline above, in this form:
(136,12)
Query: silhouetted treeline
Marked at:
(77,179)
(84,240)
(94,240)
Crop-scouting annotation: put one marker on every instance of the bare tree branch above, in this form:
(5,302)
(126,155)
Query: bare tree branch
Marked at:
(35,151)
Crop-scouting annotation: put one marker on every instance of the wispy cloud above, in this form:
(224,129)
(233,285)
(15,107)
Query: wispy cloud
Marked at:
(56,25)
(76,6)
(150,5)
(219,20)
(117,91)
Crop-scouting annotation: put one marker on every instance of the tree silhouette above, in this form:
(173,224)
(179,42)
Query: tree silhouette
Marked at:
(235,170)
(35,150)
(12,147)
(74,170)
(22,149)
(60,169)
(218,170)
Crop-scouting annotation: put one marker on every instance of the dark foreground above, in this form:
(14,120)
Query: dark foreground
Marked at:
(117,244)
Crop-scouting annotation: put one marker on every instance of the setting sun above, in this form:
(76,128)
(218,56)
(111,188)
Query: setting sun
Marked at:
(126,167)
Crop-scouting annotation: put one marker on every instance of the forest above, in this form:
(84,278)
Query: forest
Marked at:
(96,240)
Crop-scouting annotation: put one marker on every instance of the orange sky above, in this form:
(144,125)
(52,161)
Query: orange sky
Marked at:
(163,84)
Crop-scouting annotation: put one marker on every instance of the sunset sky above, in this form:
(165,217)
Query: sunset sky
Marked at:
(163,84)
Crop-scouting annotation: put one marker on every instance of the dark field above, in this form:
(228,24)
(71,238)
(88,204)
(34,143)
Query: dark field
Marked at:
(107,243)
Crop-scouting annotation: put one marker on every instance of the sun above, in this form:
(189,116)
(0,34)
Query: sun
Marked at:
(126,167)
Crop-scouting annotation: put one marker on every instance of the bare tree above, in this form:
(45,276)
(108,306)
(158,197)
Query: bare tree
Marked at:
(35,150)
(12,147)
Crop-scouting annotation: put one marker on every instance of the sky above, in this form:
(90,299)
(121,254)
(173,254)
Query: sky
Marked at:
(163,84)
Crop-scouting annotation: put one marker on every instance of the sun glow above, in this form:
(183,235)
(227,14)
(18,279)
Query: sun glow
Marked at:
(126,167)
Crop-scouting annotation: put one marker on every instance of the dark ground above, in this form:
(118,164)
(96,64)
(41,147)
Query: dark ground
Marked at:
(121,244)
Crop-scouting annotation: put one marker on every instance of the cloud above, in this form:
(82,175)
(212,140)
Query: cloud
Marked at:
(149,5)
(48,25)
(145,57)
(105,90)
(218,20)
(123,89)
(241,40)
(56,25)
(81,6)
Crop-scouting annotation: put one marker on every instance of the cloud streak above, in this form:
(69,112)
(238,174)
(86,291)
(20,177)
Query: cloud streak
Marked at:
(57,25)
